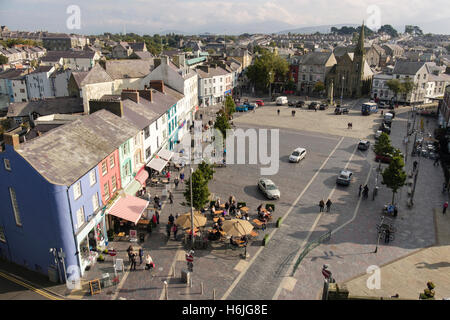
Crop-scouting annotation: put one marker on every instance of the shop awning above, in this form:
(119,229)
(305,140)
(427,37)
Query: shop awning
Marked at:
(129,208)
(157,164)
(133,187)
(142,176)
(165,154)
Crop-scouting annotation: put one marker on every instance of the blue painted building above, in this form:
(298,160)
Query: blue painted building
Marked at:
(50,193)
(172,124)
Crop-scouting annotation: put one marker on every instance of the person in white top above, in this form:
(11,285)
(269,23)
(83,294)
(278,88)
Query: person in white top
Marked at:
(149,262)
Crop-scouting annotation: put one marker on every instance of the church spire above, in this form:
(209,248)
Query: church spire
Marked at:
(360,46)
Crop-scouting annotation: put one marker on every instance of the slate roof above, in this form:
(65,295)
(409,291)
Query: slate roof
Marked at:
(218,71)
(56,55)
(42,69)
(160,103)
(137,46)
(11,73)
(96,75)
(65,105)
(143,55)
(407,67)
(65,154)
(315,58)
(131,68)
(138,114)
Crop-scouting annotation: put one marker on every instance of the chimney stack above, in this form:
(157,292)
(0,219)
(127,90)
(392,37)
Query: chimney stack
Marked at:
(146,94)
(130,94)
(11,139)
(157,85)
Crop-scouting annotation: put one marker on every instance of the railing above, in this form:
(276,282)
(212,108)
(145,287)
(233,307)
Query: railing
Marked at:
(310,246)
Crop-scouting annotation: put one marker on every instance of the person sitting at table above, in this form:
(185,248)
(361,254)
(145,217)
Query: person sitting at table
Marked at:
(232,242)
(224,213)
(259,209)
(232,209)
(227,205)
(219,222)
(244,239)
(246,217)
(216,226)
(237,212)
(218,203)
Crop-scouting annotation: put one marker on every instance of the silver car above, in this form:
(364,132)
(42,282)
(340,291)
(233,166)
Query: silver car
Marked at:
(344,178)
(269,189)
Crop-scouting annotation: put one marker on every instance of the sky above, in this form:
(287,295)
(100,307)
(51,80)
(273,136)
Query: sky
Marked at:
(219,16)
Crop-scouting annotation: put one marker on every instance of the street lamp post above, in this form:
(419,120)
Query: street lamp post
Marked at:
(270,84)
(342,89)
(192,207)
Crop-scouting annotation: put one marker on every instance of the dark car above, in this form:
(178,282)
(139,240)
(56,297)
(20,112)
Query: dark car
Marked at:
(323,106)
(385,128)
(300,104)
(313,106)
(363,145)
(382,105)
(292,103)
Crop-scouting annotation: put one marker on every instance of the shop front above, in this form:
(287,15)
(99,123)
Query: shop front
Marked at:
(90,238)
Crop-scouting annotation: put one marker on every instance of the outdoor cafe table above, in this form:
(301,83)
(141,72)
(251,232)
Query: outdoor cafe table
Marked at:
(217,219)
(244,209)
(144,221)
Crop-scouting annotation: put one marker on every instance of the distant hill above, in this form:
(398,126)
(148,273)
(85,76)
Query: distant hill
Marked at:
(314,29)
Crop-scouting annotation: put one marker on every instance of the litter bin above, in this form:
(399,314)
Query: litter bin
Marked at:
(106,280)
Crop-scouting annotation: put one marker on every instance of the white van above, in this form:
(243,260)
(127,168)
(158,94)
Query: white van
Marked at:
(281,101)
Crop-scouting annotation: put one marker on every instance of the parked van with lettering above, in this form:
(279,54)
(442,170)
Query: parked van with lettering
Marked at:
(281,100)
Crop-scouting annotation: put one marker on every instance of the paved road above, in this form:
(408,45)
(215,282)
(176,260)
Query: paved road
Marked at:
(266,271)
(14,289)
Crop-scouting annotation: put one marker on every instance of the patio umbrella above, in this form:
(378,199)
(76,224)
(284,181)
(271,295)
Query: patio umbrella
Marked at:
(184,221)
(237,227)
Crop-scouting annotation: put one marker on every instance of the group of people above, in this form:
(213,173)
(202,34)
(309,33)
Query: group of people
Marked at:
(132,257)
(229,208)
(322,205)
(364,191)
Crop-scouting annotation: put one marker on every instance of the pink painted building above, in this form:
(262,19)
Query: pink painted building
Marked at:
(109,173)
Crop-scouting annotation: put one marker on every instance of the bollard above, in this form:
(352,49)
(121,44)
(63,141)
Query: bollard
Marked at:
(214,294)
(166,290)
(173,271)
(190,282)
(201,287)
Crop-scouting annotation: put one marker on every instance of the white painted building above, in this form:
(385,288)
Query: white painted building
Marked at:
(213,84)
(39,85)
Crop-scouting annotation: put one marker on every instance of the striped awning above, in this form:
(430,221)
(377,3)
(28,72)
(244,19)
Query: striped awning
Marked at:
(129,208)
(142,176)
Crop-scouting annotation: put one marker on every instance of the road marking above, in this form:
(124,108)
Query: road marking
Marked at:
(355,213)
(26,285)
(238,279)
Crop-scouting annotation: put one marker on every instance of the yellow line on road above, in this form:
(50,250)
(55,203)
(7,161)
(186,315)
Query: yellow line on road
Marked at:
(36,290)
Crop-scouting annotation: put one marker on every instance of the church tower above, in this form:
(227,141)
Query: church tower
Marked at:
(358,62)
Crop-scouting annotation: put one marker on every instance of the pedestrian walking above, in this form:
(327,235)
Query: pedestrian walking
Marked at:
(141,255)
(170,197)
(182,177)
(175,230)
(168,176)
(130,252)
(366,192)
(360,190)
(321,205)
(444,187)
(436,162)
(176,181)
(168,227)
(293,113)
(445,207)
(157,216)
(278,111)
(171,219)
(133,261)
(329,203)
(415,165)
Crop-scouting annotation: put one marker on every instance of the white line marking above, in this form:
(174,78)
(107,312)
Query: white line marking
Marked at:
(238,279)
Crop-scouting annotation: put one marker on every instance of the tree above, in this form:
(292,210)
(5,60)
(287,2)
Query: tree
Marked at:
(200,192)
(407,87)
(394,176)
(230,106)
(383,145)
(222,123)
(266,68)
(207,171)
(319,87)
(395,86)
(3,59)
(388,29)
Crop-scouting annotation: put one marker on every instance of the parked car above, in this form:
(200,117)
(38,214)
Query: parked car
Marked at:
(259,103)
(300,104)
(297,155)
(313,106)
(242,108)
(378,134)
(344,177)
(252,106)
(363,145)
(281,101)
(383,158)
(382,105)
(385,128)
(269,189)
(323,106)
(292,103)
(340,110)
